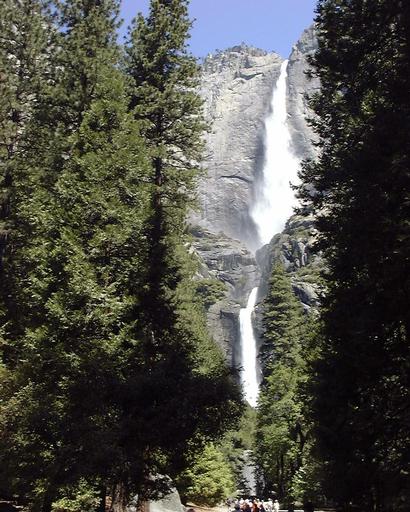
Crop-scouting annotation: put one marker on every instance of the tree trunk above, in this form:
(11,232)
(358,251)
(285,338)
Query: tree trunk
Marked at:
(47,502)
(119,498)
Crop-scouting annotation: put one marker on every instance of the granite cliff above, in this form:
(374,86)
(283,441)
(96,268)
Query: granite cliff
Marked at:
(300,87)
(237,86)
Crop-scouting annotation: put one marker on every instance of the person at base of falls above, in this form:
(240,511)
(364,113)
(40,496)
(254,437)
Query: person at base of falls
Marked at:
(276,506)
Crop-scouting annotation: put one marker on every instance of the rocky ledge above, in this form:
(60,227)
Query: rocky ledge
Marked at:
(229,262)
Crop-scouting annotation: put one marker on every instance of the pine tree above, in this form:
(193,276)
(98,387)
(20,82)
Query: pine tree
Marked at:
(103,317)
(281,427)
(361,184)
(75,270)
(24,27)
(209,481)
(178,352)
(165,99)
(27,35)
(282,317)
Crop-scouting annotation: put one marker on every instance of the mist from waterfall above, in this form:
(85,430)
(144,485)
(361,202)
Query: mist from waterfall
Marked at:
(275,199)
(274,202)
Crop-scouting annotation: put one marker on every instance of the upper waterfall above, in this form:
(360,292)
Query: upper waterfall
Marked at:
(274,202)
(275,199)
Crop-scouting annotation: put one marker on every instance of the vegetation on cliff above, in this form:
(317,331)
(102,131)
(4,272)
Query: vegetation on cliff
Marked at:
(283,437)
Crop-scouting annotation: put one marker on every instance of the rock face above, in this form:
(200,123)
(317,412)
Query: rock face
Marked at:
(300,87)
(169,503)
(237,87)
(228,261)
(293,248)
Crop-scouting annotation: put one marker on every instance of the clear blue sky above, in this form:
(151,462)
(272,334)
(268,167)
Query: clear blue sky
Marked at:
(267,24)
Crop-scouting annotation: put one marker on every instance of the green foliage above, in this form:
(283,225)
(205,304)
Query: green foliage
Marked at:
(79,498)
(282,318)
(210,291)
(108,373)
(240,439)
(282,429)
(361,200)
(164,94)
(74,268)
(177,351)
(209,481)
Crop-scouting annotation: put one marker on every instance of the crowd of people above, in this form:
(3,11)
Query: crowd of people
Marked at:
(255,505)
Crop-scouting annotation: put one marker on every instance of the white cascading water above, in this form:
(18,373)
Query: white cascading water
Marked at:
(274,202)
(249,374)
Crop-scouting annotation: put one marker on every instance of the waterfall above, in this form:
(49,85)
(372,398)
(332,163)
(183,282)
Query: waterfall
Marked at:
(274,201)
(249,374)
(274,198)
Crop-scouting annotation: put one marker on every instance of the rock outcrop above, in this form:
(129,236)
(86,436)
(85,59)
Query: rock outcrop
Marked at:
(293,248)
(228,261)
(300,87)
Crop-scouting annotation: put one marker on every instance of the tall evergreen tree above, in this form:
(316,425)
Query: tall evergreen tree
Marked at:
(165,78)
(178,353)
(25,62)
(76,268)
(281,428)
(24,27)
(26,36)
(361,199)
(105,318)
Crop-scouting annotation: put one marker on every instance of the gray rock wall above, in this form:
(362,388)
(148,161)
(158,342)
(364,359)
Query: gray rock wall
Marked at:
(300,87)
(237,87)
(228,261)
(293,248)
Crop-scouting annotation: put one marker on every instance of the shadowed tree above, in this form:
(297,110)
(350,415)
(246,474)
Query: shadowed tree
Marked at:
(361,199)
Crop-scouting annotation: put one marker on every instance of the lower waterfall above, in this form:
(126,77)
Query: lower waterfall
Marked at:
(249,374)
(274,202)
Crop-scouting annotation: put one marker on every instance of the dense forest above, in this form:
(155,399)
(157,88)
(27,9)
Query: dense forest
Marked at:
(109,378)
(111,386)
